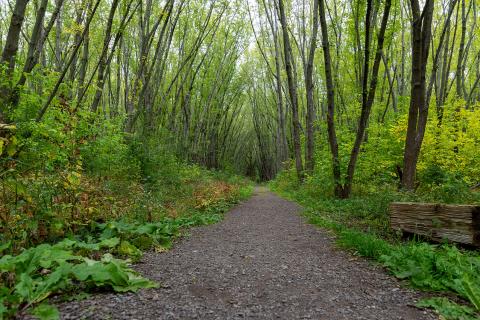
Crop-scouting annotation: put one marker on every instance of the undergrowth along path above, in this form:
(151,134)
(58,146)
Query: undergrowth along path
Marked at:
(262,262)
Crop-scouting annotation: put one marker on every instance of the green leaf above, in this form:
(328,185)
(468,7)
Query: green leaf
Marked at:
(448,309)
(24,288)
(46,312)
(55,281)
(128,249)
(12,147)
(472,291)
(109,243)
(7,263)
(3,308)
(55,255)
(101,274)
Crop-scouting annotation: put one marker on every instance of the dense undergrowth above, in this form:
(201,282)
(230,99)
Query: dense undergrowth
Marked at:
(80,202)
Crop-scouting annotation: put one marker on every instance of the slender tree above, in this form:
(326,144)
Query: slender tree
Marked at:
(309,87)
(10,51)
(292,89)
(418,111)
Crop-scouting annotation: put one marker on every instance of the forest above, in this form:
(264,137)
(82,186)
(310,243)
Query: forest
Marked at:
(124,122)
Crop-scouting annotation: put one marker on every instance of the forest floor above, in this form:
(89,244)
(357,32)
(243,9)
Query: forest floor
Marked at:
(262,262)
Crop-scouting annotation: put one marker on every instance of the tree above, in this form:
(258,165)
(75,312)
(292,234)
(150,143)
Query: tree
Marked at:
(309,87)
(368,93)
(10,51)
(292,90)
(418,111)
(332,135)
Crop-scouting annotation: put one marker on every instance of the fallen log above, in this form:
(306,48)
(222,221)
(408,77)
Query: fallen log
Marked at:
(439,222)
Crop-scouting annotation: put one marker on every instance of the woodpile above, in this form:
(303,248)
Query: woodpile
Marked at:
(439,222)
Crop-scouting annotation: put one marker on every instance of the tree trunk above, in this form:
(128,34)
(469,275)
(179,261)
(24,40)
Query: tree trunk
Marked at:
(282,143)
(33,57)
(10,51)
(11,45)
(45,106)
(461,53)
(103,58)
(58,41)
(332,136)
(77,38)
(82,73)
(292,88)
(310,136)
(368,94)
(418,111)
(33,46)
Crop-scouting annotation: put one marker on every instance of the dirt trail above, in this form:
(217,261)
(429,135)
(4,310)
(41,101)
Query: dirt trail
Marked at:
(262,262)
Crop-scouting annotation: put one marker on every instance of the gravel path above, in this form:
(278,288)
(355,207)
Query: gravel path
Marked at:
(262,262)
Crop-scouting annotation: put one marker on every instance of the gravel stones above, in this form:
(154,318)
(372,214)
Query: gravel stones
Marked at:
(262,262)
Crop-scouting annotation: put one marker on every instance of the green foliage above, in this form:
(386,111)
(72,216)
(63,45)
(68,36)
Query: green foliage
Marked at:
(46,312)
(34,275)
(440,269)
(158,234)
(62,174)
(108,155)
(448,309)
(76,176)
(366,245)
(447,168)
(37,273)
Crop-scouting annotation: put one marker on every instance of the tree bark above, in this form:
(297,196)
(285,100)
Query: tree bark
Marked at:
(418,111)
(11,45)
(103,58)
(332,136)
(77,38)
(282,143)
(33,46)
(292,91)
(310,136)
(368,94)
(10,51)
(33,59)
(461,53)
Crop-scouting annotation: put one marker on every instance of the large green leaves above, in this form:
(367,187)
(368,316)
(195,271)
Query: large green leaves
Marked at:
(73,265)
(113,274)
(39,272)
(46,312)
